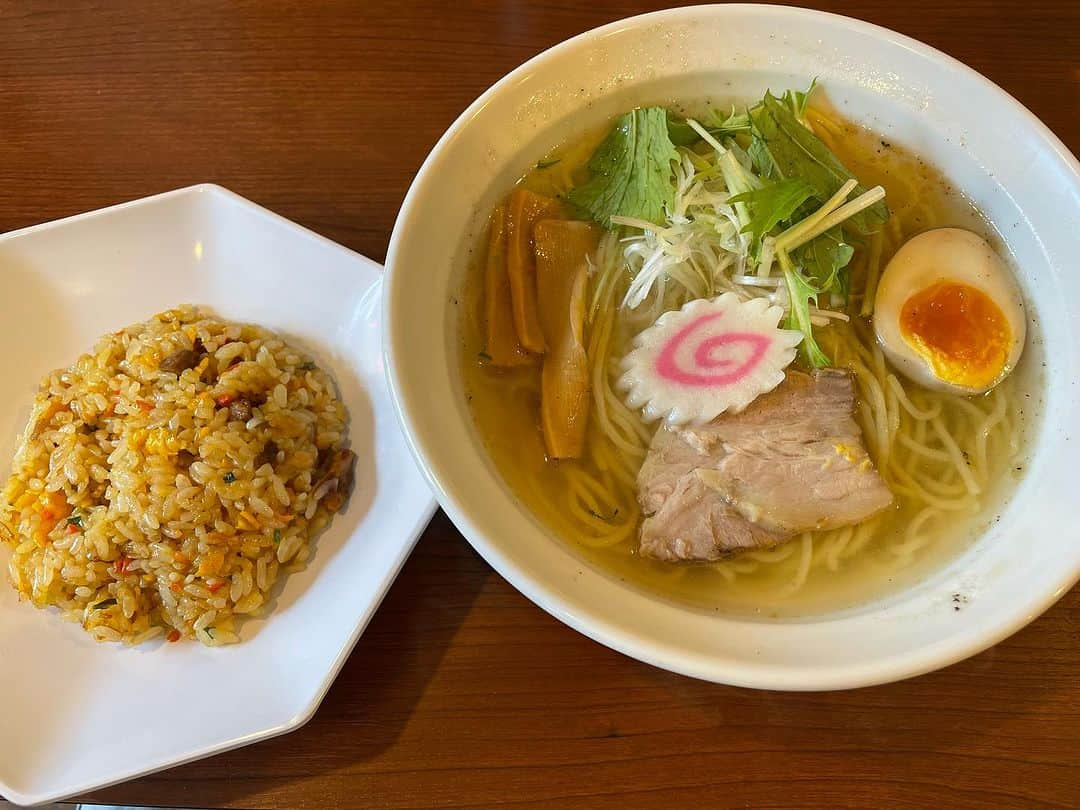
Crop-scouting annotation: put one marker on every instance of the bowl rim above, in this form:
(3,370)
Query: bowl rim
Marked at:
(585,619)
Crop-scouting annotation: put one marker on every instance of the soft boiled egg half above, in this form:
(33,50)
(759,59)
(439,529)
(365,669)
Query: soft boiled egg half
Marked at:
(948,312)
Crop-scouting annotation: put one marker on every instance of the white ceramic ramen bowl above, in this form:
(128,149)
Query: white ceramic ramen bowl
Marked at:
(991,148)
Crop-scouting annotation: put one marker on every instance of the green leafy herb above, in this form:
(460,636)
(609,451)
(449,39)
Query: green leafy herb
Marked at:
(823,258)
(761,158)
(680,132)
(798,152)
(772,204)
(796,100)
(547,164)
(277,536)
(229,477)
(105,603)
(802,292)
(734,123)
(632,172)
(306,366)
(739,124)
(75,520)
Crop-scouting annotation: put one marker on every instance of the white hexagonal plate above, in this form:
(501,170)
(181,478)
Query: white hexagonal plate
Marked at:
(80,715)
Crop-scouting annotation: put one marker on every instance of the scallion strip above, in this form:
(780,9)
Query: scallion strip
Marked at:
(844,212)
(795,231)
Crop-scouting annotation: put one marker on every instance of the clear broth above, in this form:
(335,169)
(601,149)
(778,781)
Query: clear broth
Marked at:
(504,405)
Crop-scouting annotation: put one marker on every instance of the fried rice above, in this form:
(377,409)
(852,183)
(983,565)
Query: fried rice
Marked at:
(167,479)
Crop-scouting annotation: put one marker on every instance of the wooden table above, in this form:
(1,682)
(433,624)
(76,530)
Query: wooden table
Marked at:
(462,692)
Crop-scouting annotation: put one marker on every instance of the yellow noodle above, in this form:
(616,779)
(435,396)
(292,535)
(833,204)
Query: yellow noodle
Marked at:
(743,565)
(771,555)
(861,536)
(723,570)
(832,544)
(801,573)
(907,485)
(898,390)
(982,433)
(936,452)
(913,540)
(957,456)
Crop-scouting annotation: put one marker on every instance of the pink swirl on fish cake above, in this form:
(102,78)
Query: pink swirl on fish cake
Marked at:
(668,366)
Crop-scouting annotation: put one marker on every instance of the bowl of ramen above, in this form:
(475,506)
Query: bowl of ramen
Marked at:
(737,339)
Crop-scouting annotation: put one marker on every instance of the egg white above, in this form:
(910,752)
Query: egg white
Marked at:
(949,255)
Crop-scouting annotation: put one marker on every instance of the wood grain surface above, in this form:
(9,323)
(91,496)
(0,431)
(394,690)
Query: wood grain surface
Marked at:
(461,692)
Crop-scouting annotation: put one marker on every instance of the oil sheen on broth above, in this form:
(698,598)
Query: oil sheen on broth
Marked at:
(813,574)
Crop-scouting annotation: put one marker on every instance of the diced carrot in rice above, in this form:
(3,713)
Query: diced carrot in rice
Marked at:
(211,563)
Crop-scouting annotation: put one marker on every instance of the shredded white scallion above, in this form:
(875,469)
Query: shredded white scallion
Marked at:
(702,249)
(758,281)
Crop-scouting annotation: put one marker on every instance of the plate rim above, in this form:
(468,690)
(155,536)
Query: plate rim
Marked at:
(410,537)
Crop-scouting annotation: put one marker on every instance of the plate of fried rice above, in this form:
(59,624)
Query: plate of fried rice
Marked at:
(204,494)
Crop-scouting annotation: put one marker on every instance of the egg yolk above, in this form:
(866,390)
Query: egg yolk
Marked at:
(960,331)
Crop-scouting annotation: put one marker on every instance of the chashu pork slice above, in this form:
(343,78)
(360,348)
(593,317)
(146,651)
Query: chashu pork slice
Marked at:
(792,461)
